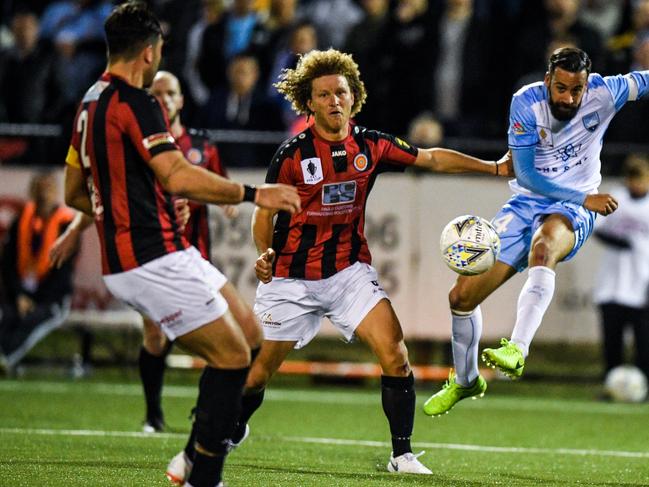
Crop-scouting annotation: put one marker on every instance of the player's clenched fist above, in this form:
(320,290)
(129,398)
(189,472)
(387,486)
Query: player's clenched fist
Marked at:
(264,266)
(278,197)
(602,203)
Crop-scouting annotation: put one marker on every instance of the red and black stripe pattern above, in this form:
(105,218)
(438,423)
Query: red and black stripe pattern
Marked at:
(200,151)
(135,216)
(334,181)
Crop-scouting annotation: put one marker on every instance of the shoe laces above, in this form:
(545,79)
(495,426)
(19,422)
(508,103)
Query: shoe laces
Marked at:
(413,456)
(447,384)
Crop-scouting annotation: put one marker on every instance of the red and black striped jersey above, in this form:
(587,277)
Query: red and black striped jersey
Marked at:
(334,180)
(199,150)
(117,130)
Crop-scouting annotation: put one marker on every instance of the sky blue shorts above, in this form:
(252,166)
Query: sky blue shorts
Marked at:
(522,215)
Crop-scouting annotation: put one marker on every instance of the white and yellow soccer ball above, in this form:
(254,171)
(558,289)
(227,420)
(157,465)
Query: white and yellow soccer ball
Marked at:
(626,383)
(469,245)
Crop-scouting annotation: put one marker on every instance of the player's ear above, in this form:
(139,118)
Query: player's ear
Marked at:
(546,80)
(308,104)
(148,54)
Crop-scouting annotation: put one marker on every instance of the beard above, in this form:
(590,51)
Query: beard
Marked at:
(563,112)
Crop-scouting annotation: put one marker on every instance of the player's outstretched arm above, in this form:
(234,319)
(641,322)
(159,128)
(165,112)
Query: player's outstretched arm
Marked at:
(179,177)
(262,234)
(450,161)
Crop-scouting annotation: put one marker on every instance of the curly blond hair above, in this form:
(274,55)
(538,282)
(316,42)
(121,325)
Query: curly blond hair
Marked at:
(295,84)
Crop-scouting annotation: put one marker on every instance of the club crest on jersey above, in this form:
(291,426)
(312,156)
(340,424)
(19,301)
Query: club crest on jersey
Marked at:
(312,170)
(194,156)
(591,121)
(361,162)
(545,136)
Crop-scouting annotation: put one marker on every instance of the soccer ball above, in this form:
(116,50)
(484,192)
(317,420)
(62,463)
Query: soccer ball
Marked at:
(626,383)
(469,245)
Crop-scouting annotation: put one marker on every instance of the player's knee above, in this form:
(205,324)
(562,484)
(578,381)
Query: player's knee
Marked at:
(461,299)
(236,357)
(155,343)
(540,254)
(252,330)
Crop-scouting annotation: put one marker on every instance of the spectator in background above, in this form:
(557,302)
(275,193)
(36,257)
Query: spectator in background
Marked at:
(273,35)
(30,91)
(620,49)
(222,40)
(211,13)
(425,131)
(462,70)
(242,105)
(363,41)
(622,283)
(605,16)
(37,295)
(332,19)
(631,124)
(75,28)
(556,18)
(302,39)
(406,59)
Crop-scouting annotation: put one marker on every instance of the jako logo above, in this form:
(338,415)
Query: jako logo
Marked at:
(339,153)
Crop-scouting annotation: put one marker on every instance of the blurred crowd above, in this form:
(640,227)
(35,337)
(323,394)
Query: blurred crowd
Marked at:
(431,67)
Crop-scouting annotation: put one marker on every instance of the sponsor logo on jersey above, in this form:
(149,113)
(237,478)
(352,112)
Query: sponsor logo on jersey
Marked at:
(194,156)
(361,162)
(339,193)
(171,319)
(591,121)
(518,128)
(568,152)
(312,170)
(156,139)
(545,136)
(267,320)
(339,153)
(402,143)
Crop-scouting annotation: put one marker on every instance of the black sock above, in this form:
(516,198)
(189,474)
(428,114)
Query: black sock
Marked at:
(217,409)
(206,471)
(250,402)
(152,368)
(398,399)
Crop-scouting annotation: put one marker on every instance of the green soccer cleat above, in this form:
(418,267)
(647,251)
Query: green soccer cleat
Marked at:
(508,358)
(451,393)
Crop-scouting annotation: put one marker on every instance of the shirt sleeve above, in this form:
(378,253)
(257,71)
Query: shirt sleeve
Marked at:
(147,128)
(620,88)
(528,177)
(279,169)
(522,124)
(395,150)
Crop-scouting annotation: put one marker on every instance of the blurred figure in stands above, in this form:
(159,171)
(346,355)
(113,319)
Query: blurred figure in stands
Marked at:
(37,295)
(623,277)
(242,106)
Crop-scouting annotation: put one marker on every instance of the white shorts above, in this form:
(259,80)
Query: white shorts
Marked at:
(179,291)
(292,309)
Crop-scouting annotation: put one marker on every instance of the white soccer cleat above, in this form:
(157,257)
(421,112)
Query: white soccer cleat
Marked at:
(232,445)
(408,463)
(179,468)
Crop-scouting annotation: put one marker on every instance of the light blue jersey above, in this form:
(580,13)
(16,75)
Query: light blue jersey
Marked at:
(558,162)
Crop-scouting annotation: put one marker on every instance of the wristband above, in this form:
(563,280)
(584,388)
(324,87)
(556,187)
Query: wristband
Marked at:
(249,193)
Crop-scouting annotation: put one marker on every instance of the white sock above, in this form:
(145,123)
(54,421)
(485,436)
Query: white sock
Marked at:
(466,332)
(533,302)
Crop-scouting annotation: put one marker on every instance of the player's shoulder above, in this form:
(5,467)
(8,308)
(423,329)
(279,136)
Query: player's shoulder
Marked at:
(595,80)
(530,94)
(288,148)
(134,96)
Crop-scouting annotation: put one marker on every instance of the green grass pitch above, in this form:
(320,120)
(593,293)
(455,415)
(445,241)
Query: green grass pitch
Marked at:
(87,434)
